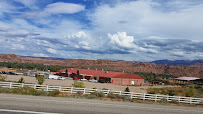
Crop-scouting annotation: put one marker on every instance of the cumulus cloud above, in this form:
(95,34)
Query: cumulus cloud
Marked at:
(122,40)
(126,43)
(50,50)
(146,18)
(154,29)
(79,40)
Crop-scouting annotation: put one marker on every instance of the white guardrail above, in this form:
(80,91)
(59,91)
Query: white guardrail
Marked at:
(132,95)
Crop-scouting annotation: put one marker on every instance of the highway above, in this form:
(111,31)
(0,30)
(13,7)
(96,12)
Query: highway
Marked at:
(24,104)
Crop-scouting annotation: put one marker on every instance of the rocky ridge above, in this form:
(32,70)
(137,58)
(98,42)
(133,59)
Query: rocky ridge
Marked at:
(131,67)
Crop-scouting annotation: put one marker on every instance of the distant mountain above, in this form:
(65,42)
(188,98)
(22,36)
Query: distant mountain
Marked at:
(178,62)
(192,68)
(50,58)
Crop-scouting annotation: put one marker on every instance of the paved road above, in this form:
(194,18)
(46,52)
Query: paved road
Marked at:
(12,104)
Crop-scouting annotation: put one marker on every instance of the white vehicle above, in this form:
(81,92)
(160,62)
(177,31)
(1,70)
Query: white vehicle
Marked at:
(83,79)
(53,77)
(93,80)
(61,78)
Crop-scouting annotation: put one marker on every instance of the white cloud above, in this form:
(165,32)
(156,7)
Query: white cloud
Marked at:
(126,43)
(145,18)
(17,47)
(50,50)
(54,9)
(63,8)
(40,55)
(6,8)
(80,40)
(152,29)
(80,34)
(28,3)
(122,40)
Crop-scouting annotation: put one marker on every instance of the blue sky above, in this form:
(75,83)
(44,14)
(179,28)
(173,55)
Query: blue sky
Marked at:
(131,30)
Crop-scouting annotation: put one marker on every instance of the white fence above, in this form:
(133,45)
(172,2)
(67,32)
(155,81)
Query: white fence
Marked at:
(132,95)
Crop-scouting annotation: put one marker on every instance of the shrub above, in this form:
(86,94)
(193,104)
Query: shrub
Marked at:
(190,92)
(126,98)
(54,93)
(90,96)
(114,96)
(152,90)
(78,84)
(79,92)
(171,92)
(21,80)
(104,89)
(127,89)
(40,79)
(174,101)
(24,91)
(163,101)
(98,94)
(3,78)
(5,90)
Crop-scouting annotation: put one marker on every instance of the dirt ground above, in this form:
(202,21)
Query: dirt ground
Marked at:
(69,82)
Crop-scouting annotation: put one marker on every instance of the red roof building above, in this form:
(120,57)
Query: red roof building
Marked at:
(103,76)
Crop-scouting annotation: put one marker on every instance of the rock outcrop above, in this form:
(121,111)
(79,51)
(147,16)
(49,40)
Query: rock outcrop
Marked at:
(194,71)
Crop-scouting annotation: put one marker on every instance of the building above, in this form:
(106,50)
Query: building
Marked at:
(103,76)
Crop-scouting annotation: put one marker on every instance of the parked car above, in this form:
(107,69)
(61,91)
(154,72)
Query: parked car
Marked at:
(61,78)
(83,79)
(101,81)
(11,73)
(3,72)
(93,80)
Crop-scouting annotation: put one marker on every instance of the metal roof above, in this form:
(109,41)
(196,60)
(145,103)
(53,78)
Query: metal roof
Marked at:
(99,73)
(187,78)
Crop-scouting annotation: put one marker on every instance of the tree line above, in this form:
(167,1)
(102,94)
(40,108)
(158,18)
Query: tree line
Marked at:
(31,66)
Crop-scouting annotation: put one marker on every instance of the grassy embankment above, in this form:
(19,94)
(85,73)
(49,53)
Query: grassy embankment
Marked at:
(185,91)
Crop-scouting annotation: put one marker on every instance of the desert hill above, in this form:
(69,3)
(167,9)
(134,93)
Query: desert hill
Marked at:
(194,70)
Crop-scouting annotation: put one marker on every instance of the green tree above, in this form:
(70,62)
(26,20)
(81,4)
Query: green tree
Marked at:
(40,79)
(3,78)
(21,80)
(127,89)
(78,84)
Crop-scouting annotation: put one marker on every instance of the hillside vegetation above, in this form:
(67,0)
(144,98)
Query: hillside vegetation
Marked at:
(109,65)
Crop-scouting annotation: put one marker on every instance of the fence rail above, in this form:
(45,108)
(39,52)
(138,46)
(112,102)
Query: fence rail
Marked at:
(132,95)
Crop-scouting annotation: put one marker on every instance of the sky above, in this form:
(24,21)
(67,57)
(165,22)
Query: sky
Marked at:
(130,30)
